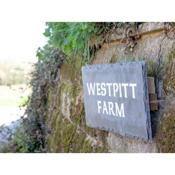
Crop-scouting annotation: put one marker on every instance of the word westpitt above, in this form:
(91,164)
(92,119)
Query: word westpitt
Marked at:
(118,90)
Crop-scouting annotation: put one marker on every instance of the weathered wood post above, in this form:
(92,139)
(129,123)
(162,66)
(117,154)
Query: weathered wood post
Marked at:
(152,94)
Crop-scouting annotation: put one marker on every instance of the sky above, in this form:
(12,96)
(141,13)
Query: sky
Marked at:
(19,40)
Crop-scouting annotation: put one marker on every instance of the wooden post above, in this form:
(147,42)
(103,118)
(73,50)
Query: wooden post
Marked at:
(151,85)
(152,94)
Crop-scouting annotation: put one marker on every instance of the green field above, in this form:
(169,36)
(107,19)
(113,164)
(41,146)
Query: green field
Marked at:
(13,96)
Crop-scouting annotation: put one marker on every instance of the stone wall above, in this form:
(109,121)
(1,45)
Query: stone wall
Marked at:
(66,118)
(65,115)
(155,47)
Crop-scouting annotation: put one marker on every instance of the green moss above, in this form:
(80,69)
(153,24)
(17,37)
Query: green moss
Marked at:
(166,133)
(113,59)
(54,141)
(66,135)
(151,66)
(169,78)
(86,147)
(71,71)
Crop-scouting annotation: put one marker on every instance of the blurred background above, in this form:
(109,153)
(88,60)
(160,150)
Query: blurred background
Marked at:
(18,44)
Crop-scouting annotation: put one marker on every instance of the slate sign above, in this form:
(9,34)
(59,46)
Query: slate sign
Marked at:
(116,98)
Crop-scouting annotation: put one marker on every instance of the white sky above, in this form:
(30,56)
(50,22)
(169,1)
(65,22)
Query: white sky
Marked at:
(20,40)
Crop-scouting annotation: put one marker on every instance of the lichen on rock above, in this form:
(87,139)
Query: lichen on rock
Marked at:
(66,120)
(169,76)
(165,137)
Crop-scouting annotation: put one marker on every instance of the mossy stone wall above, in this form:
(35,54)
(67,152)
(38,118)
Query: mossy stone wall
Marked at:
(65,114)
(66,117)
(158,51)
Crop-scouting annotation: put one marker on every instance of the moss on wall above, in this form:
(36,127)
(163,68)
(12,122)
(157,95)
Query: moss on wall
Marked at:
(66,115)
(63,108)
(169,75)
(165,137)
(166,133)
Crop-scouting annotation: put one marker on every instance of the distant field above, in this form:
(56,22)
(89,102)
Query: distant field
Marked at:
(13,89)
(14,96)
(14,73)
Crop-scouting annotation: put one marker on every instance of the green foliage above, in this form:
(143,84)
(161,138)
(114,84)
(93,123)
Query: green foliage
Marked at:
(21,140)
(25,138)
(81,38)
(43,53)
(72,38)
